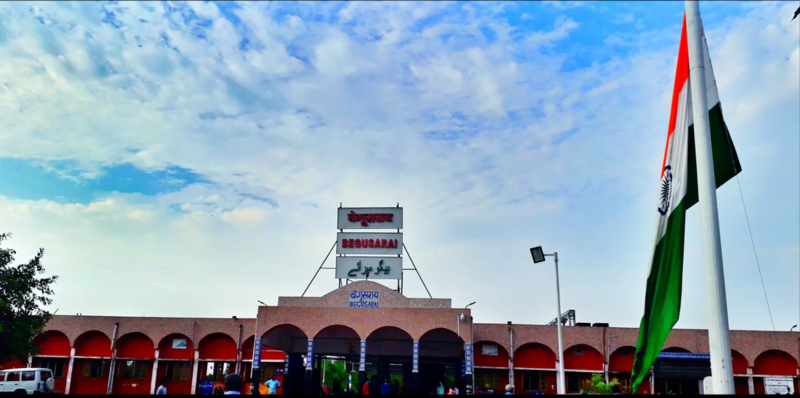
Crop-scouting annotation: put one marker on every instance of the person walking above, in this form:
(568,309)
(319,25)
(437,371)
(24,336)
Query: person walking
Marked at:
(272,386)
(233,384)
(162,389)
(440,389)
(509,389)
(386,388)
(365,390)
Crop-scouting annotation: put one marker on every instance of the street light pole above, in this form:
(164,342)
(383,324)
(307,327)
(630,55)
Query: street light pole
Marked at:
(472,344)
(253,366)
(539,256)
(560,381)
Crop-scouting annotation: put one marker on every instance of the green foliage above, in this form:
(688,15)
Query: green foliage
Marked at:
(335,372)
(22,294)
(598,386)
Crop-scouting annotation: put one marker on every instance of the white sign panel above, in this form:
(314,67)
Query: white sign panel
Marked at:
(489,349)
(370,218)
(369,243)
(179,344)
(355,268)
(365,299)
(778,385)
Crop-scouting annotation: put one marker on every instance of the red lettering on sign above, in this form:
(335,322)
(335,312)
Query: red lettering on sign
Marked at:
(344,243)
(383,243)
(366,219)
(372,243)
(358,242)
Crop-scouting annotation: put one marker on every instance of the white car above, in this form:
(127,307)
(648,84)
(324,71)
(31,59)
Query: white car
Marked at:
(27,381)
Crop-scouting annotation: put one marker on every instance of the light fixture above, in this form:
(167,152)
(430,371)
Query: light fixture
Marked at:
(792,328)
(538,254)
(469,305)
(262,303)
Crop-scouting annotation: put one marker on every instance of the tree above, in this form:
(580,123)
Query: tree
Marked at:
(22,294)
(597,386)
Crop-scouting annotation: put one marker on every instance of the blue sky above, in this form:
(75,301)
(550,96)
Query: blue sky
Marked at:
(154,148)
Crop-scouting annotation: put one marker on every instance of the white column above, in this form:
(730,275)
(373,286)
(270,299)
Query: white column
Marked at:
(510,357)
(750,386)
(652,384)
(717,304)
(69,372)
(155,375)
(194,374)
(605,371)
(111,371)
(700,387)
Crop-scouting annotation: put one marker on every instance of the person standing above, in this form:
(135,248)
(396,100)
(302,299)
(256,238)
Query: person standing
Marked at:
(272,385)
(386,389)
(233,384)
(365,391)
(440,389)
(162,389)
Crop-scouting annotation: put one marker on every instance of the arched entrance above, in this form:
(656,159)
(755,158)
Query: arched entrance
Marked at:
(389,353)
(272,360)
(534,369)
(773,363)
(620,366)
(580,362)
(175,357)
(134,364)
(217,359)
(54,352)
(740,365)
(441,355)
(491,367)
(291,340)
(334,347)
(92,364)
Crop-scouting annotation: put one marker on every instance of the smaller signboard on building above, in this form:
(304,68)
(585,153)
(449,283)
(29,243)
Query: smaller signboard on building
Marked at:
(310,355)
(370,218)
(257,353)
(468,358)
(179,344)
(362,267)
(778,385)
(364,299)
(415,358)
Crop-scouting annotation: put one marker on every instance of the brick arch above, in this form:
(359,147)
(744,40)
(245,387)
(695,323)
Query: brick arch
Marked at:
(621,360)
(166,351)
(337,331)
(677,349)
(583,357)
(740,363)
(390,340)
(377,329)
(202,336)
(775,363)
(219,346)
(53,343)
(534,356)
(93,343)
(285,338)
(135,345)
(440,334)
(493,361)
(398,332)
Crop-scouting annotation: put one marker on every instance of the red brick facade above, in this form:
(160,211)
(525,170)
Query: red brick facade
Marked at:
(83,344)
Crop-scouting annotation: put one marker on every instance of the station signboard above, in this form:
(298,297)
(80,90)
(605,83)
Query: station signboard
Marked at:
(370,218)
(369,243)
(363,267)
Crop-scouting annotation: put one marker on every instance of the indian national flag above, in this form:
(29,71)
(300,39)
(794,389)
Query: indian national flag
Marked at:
(678,193)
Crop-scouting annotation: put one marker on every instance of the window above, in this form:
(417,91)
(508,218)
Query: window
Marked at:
(178,370)
(134,370)
(95,369)
(3,376)
(13,376)
(56,365)
(573,383)
(29,376)
(489,349)
(486,380)
(534,381)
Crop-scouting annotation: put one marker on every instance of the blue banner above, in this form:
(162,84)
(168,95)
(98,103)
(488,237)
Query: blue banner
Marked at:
(310,355)
(362,362)
(415,358)
(286,365)
(468,358)
(257,353)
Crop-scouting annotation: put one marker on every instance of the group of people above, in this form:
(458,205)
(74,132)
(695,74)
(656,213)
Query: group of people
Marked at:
(233,386)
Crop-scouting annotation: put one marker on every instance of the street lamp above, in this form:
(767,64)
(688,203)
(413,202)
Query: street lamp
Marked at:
(539,256)
(792,329)
(472,344)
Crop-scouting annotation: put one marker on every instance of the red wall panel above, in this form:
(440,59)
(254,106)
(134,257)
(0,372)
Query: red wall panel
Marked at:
(739,363)
(267,352)
(497,361)
(93,344)
(583,357)
(53,343)
(165,349)
(534,355)
(775,363)
(135,386)
(218,346)
(740,385)
(621,360)
(135,345)
(87,386)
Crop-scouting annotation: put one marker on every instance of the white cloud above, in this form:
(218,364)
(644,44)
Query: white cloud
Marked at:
(315,113)
(623,19)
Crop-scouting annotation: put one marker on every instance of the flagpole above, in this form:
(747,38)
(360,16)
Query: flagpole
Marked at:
(718,336)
